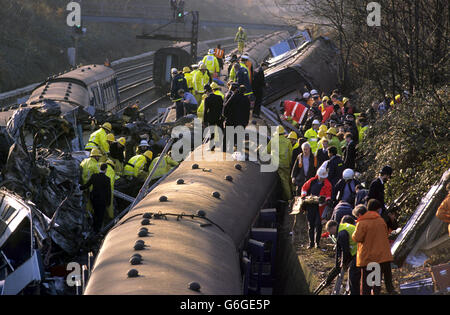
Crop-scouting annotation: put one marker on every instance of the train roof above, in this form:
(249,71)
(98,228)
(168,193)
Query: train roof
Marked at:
(64,92)
(87,74)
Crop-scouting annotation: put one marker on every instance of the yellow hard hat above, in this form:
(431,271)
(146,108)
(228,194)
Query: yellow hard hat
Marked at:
(122,141)
(345,100)
(96,153)
(280,130)
(392,103)
(215,86)
(186,70)
(293,136)
(323,128)
(398,98)
(322,133)
(107,127)
(149,155)
(325,99)
(240,28)
(332,131)
(110,137)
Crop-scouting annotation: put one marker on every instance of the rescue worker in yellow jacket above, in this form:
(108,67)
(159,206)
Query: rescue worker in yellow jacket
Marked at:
(241,38)
(111,173)
(166,165)
(188,76)
(200,79)
(333,140)
(313,136)
(137,166)
(284,159)
(216,88)
(211,62)
(89,167)
(98,139)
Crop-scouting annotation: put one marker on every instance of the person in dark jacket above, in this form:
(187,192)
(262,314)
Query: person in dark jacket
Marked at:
(100,195)
(213,111)
(335,166)
(322,154)
(305,167)
(376,190)
(346,250)
(342,209)
(350,126)
(178,83)
(350,152)
(242,78)
(236,112)
(259,82)
(345,188)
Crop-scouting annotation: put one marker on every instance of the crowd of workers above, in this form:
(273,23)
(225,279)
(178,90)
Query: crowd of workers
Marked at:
(320,162)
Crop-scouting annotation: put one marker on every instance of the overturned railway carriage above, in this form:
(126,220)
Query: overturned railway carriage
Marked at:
(198,236)
(183,246)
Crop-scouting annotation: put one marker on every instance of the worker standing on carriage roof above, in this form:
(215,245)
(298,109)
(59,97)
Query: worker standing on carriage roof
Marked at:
(241,38)
(211,62)
(99,139)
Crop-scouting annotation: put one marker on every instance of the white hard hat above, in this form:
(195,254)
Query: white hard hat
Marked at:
(244,57)
(174,70)
(144,143)
(306,95)
(348,174)
(195,66)
(316,122)
(211,51)
(322,172)
(314,92)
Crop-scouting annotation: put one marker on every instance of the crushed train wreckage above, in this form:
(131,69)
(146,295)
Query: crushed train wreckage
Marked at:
(43,221)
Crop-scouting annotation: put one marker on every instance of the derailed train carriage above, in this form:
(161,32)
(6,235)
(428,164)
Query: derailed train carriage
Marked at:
(194,242)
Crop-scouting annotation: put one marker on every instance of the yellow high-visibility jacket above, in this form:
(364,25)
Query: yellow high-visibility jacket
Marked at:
(199,82)
(98,140)
(112,176)
(285,152)
(89,167)
(188,77)
(218,92)
(313,140)
(164,167)
(135,166)
(211,63)
(240,37)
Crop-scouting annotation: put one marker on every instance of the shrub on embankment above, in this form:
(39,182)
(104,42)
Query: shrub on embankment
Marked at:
(414,139)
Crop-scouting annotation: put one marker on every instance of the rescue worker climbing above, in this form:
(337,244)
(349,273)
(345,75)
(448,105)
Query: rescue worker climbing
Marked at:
(212,64)
(89,167)
(241,38)
(137,166)
(166,165)
(280,148)
(98,139)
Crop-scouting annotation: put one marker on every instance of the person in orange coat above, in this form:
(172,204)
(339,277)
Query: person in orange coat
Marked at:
(371,234)
(443,212)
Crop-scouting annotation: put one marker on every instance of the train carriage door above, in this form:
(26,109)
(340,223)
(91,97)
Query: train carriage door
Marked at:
(165,59)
